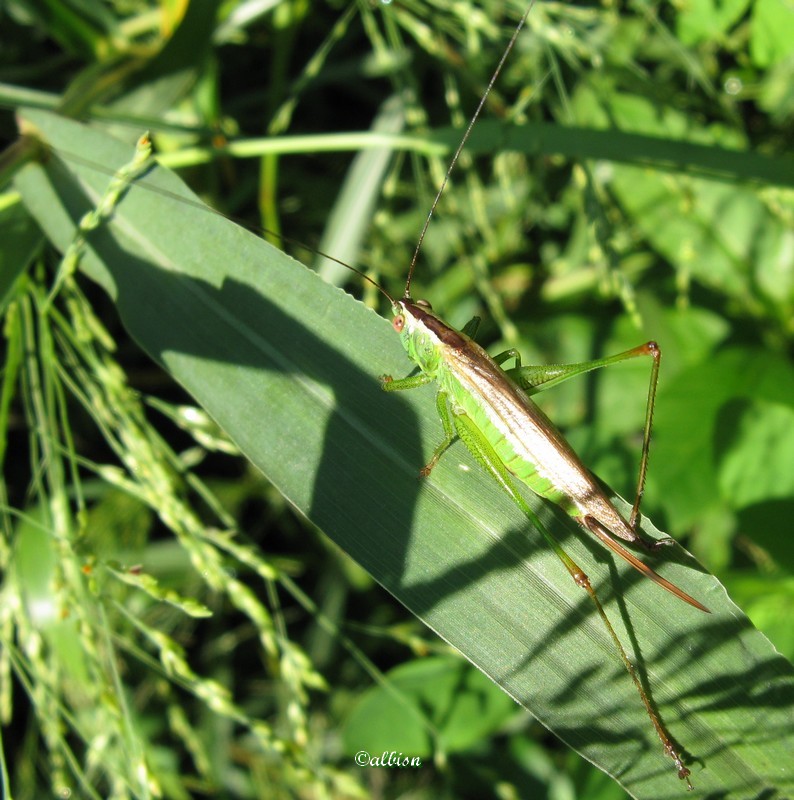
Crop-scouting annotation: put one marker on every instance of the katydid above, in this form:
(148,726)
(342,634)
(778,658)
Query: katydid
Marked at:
(490,410)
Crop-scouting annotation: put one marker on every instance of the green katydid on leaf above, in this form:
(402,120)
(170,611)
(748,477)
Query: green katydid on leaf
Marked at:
(288,366)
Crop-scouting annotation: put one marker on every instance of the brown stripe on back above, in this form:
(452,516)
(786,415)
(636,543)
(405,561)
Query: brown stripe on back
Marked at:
(449,336)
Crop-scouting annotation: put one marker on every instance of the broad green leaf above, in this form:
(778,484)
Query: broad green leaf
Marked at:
(687,435)
(705,20)
(756,451)
(288,367)
(772,38)
(425,704)
(770,603)
(20,240)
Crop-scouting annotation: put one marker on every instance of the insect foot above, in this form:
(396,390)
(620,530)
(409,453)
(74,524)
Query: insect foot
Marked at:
(683,771)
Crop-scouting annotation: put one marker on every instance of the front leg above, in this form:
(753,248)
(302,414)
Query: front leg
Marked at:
(388,384)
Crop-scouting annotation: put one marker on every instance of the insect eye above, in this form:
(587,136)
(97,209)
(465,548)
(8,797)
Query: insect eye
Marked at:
(398,323)
(424,304)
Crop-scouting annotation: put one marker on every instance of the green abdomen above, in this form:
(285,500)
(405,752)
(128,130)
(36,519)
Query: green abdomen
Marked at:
(514,451)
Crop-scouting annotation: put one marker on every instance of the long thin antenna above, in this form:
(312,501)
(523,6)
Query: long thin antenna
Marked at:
(462,144)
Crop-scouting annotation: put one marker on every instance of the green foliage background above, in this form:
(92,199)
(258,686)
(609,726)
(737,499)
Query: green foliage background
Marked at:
(169,624)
